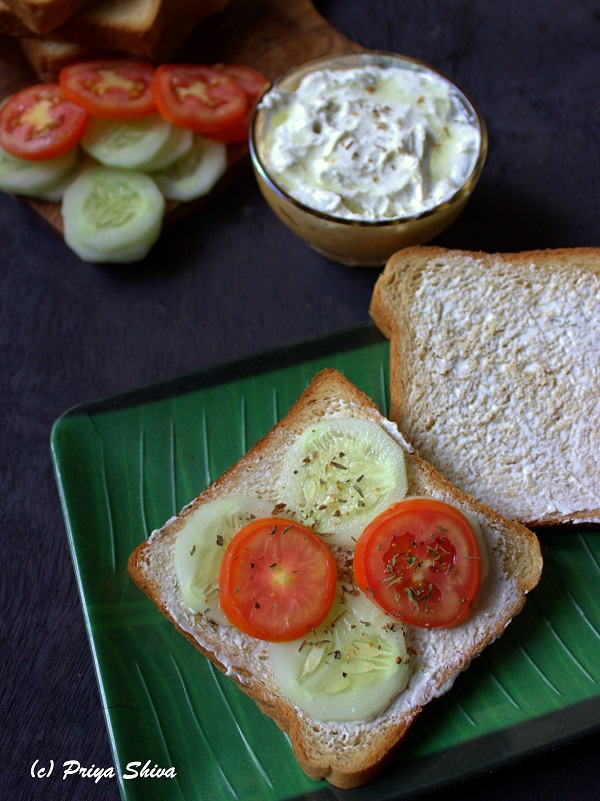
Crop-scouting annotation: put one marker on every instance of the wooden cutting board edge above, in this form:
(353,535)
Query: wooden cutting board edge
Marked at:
(268,35)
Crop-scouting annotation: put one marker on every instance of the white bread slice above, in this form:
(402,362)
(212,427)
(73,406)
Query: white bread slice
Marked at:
(495,373)
(347,754)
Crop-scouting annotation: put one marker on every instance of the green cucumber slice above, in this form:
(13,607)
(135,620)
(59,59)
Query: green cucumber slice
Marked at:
(112,215)
(55,193)
(339,475)
(200,546)
(131,144)
(195,174)
(33,178)
(483,554)
(179,142)
(350,667)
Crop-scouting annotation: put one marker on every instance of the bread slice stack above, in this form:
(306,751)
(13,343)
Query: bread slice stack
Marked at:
(495,373)
(54,33)
(347,754)
(41,16)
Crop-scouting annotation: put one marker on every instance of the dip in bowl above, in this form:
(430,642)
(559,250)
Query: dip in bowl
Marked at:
(362,154)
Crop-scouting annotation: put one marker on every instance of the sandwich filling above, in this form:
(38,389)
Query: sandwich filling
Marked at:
(351,657)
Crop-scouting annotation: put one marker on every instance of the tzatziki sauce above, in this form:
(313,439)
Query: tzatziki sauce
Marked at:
(372,143)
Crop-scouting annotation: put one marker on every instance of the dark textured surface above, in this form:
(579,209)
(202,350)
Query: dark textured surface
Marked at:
(230,281)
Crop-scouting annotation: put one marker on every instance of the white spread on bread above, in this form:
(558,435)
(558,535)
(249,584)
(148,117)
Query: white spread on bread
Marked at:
(370,143)
(433,651)
(346,753)
(525,377)
(430,650)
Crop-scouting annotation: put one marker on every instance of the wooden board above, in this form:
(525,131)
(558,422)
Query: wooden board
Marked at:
(269,35)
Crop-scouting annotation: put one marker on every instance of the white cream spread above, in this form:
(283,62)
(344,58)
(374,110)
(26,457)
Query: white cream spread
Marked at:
(515,392)
(370,143)
(435,652)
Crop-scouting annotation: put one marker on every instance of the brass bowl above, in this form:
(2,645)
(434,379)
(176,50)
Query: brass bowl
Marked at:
(349,241)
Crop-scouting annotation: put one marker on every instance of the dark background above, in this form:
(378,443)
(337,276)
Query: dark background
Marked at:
(228,281)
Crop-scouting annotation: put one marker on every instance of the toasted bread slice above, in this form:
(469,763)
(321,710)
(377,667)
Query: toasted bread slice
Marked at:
(48,56)
(10,24)
(42,16)
(347,754)
(495,373)
(149,29)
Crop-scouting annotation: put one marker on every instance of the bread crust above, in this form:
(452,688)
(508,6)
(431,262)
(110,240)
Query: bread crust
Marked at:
(10,24)
(146,29)
(150,29)
(347,755)
(42,16)
(538,288)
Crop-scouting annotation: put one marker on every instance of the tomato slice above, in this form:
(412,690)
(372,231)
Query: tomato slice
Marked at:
(252,81)
(277,580)
(419,561)
(39,123)
(254,84)
(110,88)
(201,98)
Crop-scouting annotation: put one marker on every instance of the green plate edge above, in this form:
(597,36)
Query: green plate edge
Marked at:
(125,464)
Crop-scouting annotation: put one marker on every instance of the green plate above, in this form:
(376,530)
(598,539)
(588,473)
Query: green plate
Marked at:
(126,464)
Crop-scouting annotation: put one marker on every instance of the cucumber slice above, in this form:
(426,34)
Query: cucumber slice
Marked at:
(195,174)
(483,554)
(131,144)
(33,178)
(339,475)
(179,142)
(55,193)
(201,544)
(348,669)
(112,215)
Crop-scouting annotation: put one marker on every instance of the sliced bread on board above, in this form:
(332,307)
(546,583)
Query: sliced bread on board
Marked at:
(351,753)
(150,29)
(42,16)
(495,373)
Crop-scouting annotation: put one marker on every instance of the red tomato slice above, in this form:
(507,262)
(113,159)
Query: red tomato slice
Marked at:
(198,97)
(39,123)
(253,84)
(110,88)
(419,561)
(277,580)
